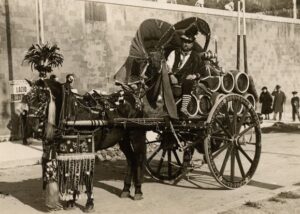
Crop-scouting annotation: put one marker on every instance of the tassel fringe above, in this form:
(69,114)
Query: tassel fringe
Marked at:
(75,171)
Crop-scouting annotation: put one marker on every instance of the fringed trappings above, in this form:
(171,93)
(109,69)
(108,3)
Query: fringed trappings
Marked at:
(74,172)
(50,127)
(50,186)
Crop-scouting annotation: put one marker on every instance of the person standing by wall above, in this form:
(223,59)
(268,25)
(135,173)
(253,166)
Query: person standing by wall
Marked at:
(266,100)
(279,101)
(70,78)
(295,106)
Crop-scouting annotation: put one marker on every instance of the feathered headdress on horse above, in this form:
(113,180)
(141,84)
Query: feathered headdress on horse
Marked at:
(43,58)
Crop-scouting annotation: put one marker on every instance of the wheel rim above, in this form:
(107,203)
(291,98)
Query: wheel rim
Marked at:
(233,142)
(164,162)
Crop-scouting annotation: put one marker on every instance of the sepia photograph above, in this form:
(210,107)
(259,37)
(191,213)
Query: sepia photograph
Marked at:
(149,106)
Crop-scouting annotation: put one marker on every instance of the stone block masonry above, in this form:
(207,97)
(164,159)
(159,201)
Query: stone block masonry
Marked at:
(94,38)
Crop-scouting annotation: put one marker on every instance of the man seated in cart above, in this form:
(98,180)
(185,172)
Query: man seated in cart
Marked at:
(184,66)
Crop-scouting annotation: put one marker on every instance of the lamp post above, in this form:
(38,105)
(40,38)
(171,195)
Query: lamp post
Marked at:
(295,9)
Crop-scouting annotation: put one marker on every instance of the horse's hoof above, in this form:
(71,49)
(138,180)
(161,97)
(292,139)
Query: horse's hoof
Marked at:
(138,196)
(125,194)
(89,207)
(70,205)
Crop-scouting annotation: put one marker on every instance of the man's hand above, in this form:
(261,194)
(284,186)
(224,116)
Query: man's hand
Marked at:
(173,79)
(191,77)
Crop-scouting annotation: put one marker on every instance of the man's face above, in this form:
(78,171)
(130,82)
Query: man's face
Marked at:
(71,79)
(187,45)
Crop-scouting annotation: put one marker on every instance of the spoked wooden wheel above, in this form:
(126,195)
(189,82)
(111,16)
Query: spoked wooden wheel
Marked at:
(164,161)
(233,142)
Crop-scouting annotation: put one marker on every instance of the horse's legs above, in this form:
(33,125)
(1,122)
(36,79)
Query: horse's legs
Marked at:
(138,142)
(128,152)
(89,206)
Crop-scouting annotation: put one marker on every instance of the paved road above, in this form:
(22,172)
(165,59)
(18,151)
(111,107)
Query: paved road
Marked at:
(279,170)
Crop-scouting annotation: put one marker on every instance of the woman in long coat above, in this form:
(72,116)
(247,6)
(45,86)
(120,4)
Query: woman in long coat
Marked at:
(266,100)
(279,100)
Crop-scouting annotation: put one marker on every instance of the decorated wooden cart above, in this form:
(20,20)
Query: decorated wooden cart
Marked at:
(221,125)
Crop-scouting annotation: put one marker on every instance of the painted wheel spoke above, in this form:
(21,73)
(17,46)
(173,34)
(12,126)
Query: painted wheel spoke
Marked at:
(238,158)
(176,157)
(220,150)
(232,172)
(225,160)
(217,131)
(219,138)
(154,141)
(169,164)
(245,154)
(242,120)
(246,130)
(227,119)
(154,154)
(161,161)
(234,122)
(223,128)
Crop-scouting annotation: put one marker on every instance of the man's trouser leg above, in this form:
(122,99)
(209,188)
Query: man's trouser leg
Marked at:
(187,87)
(280,116)
(274,116)
(294,112)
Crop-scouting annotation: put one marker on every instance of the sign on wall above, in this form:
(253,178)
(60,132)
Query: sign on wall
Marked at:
(18,89)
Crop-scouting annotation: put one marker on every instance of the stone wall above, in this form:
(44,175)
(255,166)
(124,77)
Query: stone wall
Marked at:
(95,38)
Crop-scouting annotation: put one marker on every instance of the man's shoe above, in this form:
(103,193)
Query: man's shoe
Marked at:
(183,114)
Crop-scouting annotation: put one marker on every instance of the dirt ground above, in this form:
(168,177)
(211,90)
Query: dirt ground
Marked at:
(282,203)
(22,194)
(278,172)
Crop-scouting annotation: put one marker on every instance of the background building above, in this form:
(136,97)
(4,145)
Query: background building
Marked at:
(94,38)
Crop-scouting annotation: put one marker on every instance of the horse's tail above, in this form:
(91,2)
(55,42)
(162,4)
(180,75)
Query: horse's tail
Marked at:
(50,126)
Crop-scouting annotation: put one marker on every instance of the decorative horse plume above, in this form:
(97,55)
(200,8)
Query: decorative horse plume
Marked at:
(43,58)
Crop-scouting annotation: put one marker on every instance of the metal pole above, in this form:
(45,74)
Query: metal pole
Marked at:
(37,21)
(41,20)
(238,59)
(295,9)
(245,39)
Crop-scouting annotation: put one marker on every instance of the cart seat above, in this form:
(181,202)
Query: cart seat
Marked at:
(177,90)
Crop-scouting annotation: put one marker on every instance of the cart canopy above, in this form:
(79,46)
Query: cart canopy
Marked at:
(153,41)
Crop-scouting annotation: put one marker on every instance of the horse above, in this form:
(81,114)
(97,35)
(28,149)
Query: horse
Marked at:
(60,103)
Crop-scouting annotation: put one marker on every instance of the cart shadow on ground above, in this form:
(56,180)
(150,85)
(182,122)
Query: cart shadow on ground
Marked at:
(30,192)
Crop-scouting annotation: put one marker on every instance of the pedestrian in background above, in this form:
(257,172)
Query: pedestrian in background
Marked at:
(279,101)
(229,6)
(70,79)
(266,100)
(295,106)
(199,3)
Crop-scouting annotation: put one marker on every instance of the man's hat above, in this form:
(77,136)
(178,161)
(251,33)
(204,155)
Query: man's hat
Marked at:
(264,88)
(294,92)
(188,38)
(278,87)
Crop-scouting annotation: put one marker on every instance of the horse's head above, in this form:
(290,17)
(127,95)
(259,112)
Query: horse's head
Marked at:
(42,106)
